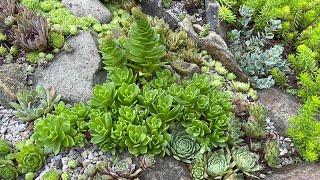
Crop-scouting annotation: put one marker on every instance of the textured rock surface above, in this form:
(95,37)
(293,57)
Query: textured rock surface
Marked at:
(216,47)
(167,168)
(74,74)
(281,106)
(301,171)
(212,17)
(89,7)
(185,68)
(12,80)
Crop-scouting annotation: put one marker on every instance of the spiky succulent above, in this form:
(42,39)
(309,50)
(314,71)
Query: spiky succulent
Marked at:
(219,164)
(271,153)
(123,169)
(147,161)
(30,158)
(35,103)
(256,123)
(31,32)
(7,170)
(7,11)
(246,161)
(183,146)
(4,148)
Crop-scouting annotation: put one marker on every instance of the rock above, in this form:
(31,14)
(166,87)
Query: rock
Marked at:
(74,74)
(153,8)
(185,68)
(167,168)
(12,80)
(212,16)
(198,28)
(216,47)
(281,106)
(301,171)
(93,8)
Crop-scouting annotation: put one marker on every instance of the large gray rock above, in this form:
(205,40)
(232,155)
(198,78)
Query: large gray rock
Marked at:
(12,80)
(167,168)
(282,107)
(89,7)
(301,171)
(74,74)
(212,17)
(216,47)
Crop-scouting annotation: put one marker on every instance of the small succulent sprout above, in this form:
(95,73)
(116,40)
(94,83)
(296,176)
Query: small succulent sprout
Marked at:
(3,51)
(4,148)
(3,37)
(198,169)
(220,69)
(14,51)
(30,158)
(35,103)
(272,153)
(56,39)
(73,30)
(8,170)
(147,161)
(123,169)
(52,174)
(49,57)
(240,86)
(253,94)
(72,163)
(231,76)
(219,164)
(183,147)
(33,57)
(246,161)
(30,176)
(65,176)
(31,32)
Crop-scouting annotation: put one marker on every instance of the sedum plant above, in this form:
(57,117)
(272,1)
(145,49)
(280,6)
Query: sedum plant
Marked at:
(137,140)
(122,75)
(8,170)
(183,147)
(143,48)
(219,164)
(31,32)
(245,161)
(4,148)
(30,158)
(272,153)
(35,103)
(103,95)
(128,94)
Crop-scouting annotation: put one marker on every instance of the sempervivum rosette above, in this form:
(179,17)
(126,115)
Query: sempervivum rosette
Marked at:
(218,163)
(31,31)
(30,158)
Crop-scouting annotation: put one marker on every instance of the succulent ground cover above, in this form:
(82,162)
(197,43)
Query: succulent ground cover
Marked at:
(149,107)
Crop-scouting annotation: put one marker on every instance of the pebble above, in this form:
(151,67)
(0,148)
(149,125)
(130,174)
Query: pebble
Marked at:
(262,176)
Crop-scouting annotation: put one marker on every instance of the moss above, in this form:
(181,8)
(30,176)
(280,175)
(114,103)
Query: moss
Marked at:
(33,57)
(56,40)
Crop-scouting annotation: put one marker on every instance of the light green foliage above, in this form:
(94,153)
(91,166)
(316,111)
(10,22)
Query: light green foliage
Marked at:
(56,39)
(14,51)
(51,175)
(309,84)
(103,95)
(3,37)
(167,3)
(137,140)
(128,94)
(305,130)
(35,103)
(271,153)
(227,15)
(30,176)
(279,77)
(305,60)
(30,158)
(219,164)
(256,123)
(198,169)
(183,146)
(143,46)
(8,170)
(3,51)
(33,57)
(246,161)
(122,75)
(240,86)
(310,37)
(4,148)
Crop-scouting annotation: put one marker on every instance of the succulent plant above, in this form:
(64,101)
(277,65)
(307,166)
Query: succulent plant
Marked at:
(4,148)
(56,39)
(30,158)
(256,123)
(100,128)
(36,103)
(272,153)
(7,12)
(55,133)
(183,146)
(123,169)
(122,75)
(219,164)
(103,95)
(7,170)
(147,161)
(137,140)
(147,97)
(31,32)
(51,175)
(128,94)
(198,128)
(198,170)
(246,161)
(165,108)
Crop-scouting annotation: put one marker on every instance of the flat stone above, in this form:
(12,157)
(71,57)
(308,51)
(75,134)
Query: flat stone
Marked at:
(281,106)
(74,74)
(83,8)
(212,16)
(12,81)
(167,168)
(301,171)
